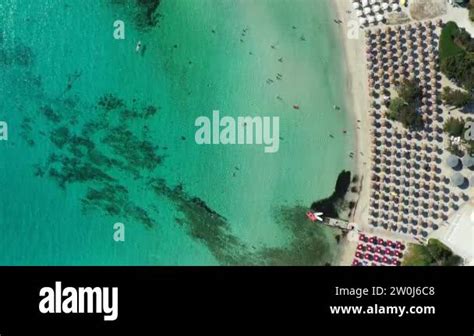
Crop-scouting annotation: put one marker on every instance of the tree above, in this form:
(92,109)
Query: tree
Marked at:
(404,108)
(460,69)
(396,107)
(409,91)
(411,119)
(457,98)
(457,55)
(438,250)
(454,127)
(434,253)
(417,255)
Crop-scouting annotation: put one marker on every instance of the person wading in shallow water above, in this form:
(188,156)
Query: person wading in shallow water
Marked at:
(139,46)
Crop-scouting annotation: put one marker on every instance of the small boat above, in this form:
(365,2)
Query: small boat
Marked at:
(314,216)
(311,216)
(296,107)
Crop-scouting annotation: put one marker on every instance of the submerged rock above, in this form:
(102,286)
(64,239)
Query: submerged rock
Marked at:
(110,102)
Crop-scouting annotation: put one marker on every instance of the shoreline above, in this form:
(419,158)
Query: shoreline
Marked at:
(357,101)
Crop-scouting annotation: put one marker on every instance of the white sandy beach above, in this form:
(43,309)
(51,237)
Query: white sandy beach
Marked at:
(358,102)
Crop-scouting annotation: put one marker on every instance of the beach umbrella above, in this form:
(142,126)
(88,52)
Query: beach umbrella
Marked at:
(398,46)
(420,50)
(355,5)
(457,179)
(419,34)
(452,161)
(379,57)
(380,73)
(468,161)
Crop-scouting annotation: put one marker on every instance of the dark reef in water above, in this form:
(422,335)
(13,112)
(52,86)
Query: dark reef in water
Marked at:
(309,244)
(105,155)
(50,114)
(117,166)
(148,16)
(110,102)
(206,225)
(20,55)
(144,12)
(26,131)
(99,153)
(114,200)
(330,206)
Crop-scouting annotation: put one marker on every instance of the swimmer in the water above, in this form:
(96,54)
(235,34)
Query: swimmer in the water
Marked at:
(138,47)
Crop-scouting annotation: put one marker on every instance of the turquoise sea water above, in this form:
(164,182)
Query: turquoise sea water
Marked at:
(72,167)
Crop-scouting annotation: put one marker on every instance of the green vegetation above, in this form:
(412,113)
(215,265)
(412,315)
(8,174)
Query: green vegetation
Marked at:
(434,253)
(334,205)
(409,91)
(457,55)
(455,127)
(404,107)
(448,48)
(457,98)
